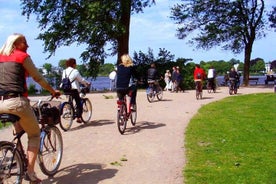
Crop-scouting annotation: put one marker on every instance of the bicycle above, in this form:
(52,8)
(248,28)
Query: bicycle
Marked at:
(232,86)
(68,110)
(211,86)
(123,115)
(198,87)
(154,90)
(13,160)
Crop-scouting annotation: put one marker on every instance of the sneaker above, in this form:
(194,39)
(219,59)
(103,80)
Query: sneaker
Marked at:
(33,178)
(133,107)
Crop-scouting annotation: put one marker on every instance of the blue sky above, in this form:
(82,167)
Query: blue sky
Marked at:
(152,29)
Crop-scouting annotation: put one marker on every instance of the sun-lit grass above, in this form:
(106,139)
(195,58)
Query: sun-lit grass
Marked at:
(233,141)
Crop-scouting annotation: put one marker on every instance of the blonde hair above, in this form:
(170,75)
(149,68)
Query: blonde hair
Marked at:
(8,46)
(126,60)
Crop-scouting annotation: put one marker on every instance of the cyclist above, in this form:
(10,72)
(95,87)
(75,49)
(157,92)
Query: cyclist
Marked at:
(76,79)
(211,77)
(153,75)
(125,83)
(16,64)
(199,76)
(233,75)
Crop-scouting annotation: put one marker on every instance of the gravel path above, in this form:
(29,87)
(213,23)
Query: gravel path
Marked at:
(151,152)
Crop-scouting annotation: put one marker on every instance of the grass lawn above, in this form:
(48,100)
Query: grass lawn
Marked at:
(233,141)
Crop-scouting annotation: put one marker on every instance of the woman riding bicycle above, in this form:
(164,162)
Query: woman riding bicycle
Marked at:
(16,65)
(76,79)
(126,74)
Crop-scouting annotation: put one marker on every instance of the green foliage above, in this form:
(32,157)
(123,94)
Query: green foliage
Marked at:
(32,89)
(106,69)
(91,23)
(232,24)
(233,141)
(62,63)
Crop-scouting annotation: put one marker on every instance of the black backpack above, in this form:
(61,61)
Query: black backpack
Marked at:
(66,83)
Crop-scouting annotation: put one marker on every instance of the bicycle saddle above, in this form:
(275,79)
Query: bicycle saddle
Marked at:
(6,117)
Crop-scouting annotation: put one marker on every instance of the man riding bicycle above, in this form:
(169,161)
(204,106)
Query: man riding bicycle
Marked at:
(199,76)
(126,75)
(153,75)
(234,76)
(211,77)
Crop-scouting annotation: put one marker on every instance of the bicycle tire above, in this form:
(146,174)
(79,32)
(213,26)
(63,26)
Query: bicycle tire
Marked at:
(87,110)
(133,115)
(67,116)
(197,91)
(209,87)
(11,170)
(159,93)
(150,95)
(51,151)
(121,118)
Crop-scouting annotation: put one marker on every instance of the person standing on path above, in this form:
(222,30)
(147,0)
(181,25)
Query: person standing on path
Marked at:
(167,79)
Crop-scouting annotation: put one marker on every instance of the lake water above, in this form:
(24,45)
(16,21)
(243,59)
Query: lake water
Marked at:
(104,83)
(99,84)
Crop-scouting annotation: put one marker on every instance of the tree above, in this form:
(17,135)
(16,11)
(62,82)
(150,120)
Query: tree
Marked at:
(257,65)
(235,24)
(91,23)
(48,68)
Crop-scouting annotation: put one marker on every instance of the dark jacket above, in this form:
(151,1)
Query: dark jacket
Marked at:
(124,76)
(153,74)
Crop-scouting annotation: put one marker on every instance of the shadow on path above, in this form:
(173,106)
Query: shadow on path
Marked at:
(142,125)
(82,173)
(92,123)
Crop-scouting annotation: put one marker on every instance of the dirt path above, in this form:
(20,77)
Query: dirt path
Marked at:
(151,152)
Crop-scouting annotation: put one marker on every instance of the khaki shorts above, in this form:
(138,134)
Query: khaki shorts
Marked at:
(21,107)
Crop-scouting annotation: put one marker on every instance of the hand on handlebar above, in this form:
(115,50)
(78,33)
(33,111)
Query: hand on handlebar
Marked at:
(56,94)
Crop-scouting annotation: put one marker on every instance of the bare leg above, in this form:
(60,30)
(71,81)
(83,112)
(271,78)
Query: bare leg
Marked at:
(32,154)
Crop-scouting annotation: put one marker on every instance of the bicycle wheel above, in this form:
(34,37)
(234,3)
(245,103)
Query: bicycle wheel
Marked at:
(159,93)
(150,95)
(51,150)
(133,115)
(11,164)
(87,110)
(197,91)
(121,118)
(67,116)
(235,90)
(197,94)
(209,87)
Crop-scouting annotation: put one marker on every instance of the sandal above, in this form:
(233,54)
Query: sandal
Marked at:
(32,177)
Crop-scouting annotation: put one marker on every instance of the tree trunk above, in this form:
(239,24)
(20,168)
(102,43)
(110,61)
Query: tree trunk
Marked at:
(123,39)
(247,58)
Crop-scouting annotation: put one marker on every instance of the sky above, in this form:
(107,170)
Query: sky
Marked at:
(151,29)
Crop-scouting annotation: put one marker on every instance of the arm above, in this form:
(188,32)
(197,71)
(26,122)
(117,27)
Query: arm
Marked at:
(80,79)
(34,73)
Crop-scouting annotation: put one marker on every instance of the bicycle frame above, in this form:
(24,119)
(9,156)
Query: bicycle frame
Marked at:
(15,147)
